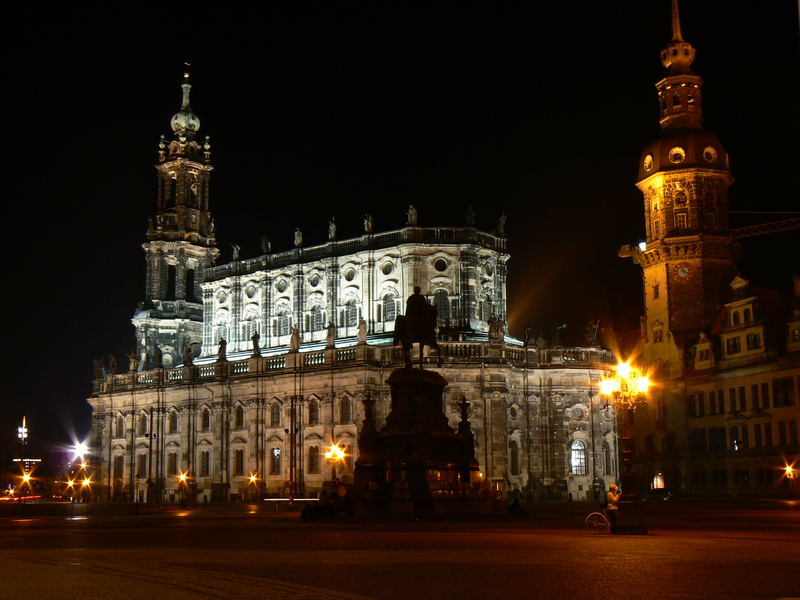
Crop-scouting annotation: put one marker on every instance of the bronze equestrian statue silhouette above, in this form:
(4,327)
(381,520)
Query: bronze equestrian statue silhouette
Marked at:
(418,325)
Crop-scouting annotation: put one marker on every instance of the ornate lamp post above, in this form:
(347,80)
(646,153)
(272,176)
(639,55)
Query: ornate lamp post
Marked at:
(334,455)
(253,481)
(626,387)
(182,477)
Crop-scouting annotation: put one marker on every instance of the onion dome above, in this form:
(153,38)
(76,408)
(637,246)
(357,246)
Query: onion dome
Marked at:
(185,123)
(677,149)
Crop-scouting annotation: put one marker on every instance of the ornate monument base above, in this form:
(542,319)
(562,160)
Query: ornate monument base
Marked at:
(417,465)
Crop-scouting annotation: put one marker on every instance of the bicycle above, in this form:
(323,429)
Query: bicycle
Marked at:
(597,522)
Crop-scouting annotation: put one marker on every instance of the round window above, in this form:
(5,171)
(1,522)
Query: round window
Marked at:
(281,285)
(648,162)
(488,269)
(221,297)
(677,155)
(512,412)
(250,290)
(440,265)
(350,274)
(387,268)
(314,281)
(577,413)
(709,154)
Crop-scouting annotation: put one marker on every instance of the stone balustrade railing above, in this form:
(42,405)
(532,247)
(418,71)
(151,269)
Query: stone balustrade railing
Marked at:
(489,353)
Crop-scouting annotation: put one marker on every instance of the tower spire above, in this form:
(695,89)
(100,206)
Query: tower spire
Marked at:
(676,23)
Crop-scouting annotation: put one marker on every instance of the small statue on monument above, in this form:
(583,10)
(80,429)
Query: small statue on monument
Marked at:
(298,238)
(99,368)
(133,361)
(497,329)
(362,331)
(112,364)
(331,340)
(294,340)
(411,215)
(256,348)
(222,350)
(367,223)
(332,229)
(501,225)
(266,246)
(235,248)
(188,355)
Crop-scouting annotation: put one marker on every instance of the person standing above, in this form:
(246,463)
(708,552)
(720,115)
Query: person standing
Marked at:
(612,506)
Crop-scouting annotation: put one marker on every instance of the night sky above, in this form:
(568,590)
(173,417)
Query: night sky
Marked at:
(337,109)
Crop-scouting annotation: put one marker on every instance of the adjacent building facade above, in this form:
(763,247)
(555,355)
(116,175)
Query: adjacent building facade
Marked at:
(724,417)
(244,373)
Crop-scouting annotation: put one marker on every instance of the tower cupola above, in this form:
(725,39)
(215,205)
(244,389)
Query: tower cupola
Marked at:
(185,124)
(679,92)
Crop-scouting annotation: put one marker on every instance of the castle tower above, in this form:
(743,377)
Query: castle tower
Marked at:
(690,254)
(180,244)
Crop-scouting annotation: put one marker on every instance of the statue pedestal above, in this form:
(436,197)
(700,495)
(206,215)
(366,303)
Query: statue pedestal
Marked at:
(417,465)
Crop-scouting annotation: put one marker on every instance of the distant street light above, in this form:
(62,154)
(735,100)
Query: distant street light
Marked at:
(790,474)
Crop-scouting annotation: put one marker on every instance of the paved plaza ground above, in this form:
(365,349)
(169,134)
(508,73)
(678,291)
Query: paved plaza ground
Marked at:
(738,550)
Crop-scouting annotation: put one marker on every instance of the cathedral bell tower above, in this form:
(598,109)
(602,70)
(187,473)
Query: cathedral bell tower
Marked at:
(690,254)
(180,244)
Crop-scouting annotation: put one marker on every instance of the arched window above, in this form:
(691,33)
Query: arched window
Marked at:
(735,317)
(747,315)
(313,460)
(577,458)
(205,463)
(280,325)
(607,459)
(275,415)
(205,420)
(275,461)
(173,422)
(142,429)
(316,322)
(170,295)
(345,415)
(313,413)
(514,457)
(190,297)
(676,101)
(172,464)
(120,429)
(351,314)
(441,300)
(238,418)
(389,308)
(238,462)
(486,308)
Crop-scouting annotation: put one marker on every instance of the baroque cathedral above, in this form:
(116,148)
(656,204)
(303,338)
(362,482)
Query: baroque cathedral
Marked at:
(245,373)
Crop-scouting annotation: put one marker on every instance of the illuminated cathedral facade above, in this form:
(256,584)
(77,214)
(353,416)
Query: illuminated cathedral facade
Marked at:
(245,373)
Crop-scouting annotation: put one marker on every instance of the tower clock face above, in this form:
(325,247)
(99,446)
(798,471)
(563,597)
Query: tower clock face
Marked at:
(684,271)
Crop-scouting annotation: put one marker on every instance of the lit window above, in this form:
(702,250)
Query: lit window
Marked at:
(275,462)
(578,458)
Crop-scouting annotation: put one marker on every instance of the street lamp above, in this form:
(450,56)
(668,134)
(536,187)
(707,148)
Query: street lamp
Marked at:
(790,474)
(182,477)
(334,455)
(253,479)
(626,387)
